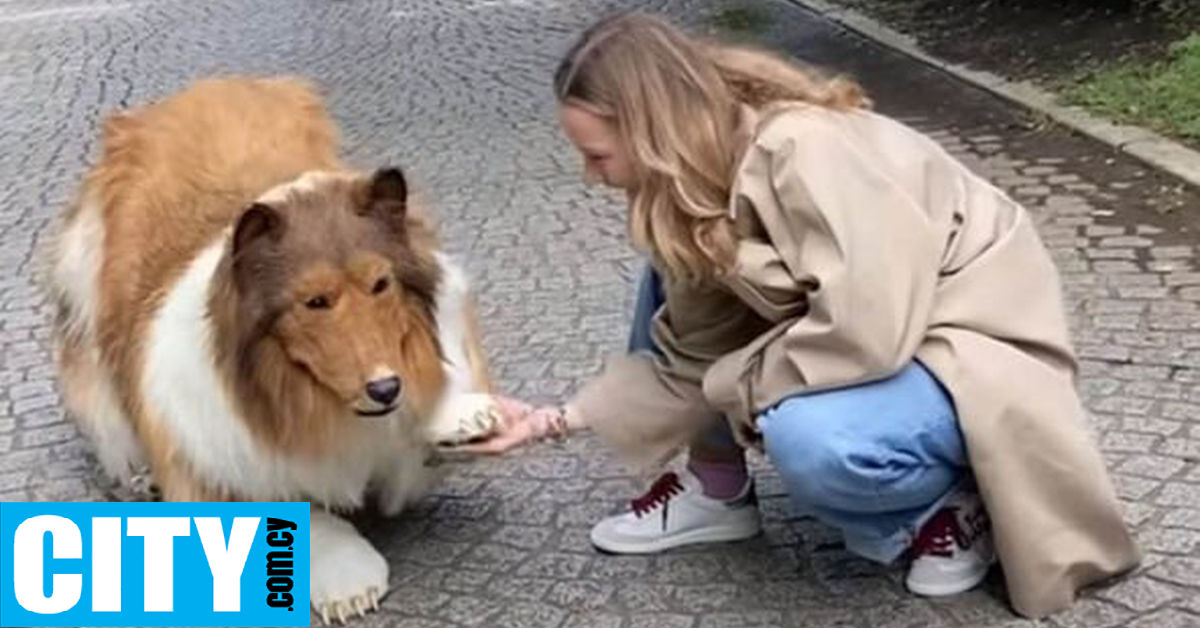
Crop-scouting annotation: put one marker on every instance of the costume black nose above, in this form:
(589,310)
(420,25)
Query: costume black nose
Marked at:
(385,390)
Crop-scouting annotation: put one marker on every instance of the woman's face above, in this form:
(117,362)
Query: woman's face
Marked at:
(605,157)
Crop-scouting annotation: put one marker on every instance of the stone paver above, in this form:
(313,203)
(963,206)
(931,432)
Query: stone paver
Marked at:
(457,91)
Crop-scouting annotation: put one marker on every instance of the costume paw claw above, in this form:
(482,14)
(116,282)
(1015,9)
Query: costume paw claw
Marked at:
(141,484)
(356,607)
(349,577)
(466,417)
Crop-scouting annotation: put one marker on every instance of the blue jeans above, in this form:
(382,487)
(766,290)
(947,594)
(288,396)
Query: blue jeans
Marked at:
(874,460)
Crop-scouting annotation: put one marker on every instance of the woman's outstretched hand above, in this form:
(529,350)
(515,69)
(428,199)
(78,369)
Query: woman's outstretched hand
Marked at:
(519,423)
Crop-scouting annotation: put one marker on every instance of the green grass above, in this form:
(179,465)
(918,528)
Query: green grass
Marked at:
(743,20)
(1163,94)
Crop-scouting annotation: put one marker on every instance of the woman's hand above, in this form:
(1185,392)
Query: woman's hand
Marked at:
(519,423)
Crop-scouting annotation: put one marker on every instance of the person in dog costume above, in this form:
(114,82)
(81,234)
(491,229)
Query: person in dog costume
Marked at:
(831,287)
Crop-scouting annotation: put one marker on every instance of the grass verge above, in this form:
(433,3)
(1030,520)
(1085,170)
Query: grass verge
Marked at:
(1162,94)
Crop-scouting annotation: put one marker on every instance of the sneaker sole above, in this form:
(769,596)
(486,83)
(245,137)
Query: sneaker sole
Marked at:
(693,537)
(947,590)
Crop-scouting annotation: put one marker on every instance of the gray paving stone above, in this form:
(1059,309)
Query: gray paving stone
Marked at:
(1169,618)
(1123,442)
(1135,488)
(1182,279)
(420,622)
(1186,448)
(1172,251)
(1181,411)
(663,620)
(531,615)
(1178,570)
(1142,594)
(465,581)
(1179,494)
(412,600)
(620,568)
(1156,390)
(424,83)
(1191,605)
(554,566)
(1159,467)
(1124,405)
(469,611)
(824,618)
(1094,614)
(1138,513)
(750,619)
(641,597)
(525,537)
(495,558)
(1176,541)
(518,588)
(580,594)
(1126,241)
(1147,425)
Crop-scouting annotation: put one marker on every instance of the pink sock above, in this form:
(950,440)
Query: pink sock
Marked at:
(720,480)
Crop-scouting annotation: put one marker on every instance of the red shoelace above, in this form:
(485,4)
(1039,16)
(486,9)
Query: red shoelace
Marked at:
(939,535)
(663,489)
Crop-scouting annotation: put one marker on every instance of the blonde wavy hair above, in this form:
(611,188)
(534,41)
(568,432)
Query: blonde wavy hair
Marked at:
(676,103)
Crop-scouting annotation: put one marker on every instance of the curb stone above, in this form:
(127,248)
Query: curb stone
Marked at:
(1148,146)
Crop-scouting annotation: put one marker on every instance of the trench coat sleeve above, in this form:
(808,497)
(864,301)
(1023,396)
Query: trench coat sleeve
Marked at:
(640,409)
(862,252)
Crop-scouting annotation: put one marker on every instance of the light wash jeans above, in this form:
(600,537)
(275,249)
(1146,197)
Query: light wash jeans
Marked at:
(874,460)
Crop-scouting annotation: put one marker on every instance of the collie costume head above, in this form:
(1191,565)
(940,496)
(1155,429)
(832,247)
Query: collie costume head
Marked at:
(326,309)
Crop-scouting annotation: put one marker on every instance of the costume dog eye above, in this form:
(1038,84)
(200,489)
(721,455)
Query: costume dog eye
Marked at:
(320,302)
(381,285)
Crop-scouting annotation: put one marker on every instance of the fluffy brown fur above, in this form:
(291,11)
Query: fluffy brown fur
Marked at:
(318,290)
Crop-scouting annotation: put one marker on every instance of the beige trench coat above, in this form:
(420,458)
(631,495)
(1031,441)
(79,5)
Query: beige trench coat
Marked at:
(863,246)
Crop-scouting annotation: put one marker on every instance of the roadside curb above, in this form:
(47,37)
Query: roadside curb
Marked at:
(1146,145)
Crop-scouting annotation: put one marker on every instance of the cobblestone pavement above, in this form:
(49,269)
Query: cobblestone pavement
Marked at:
(457,92)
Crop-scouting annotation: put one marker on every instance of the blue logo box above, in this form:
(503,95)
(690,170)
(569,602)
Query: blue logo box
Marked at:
(154,564)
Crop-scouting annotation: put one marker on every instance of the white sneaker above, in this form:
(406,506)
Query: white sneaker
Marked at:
(676,512)
(953,550)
